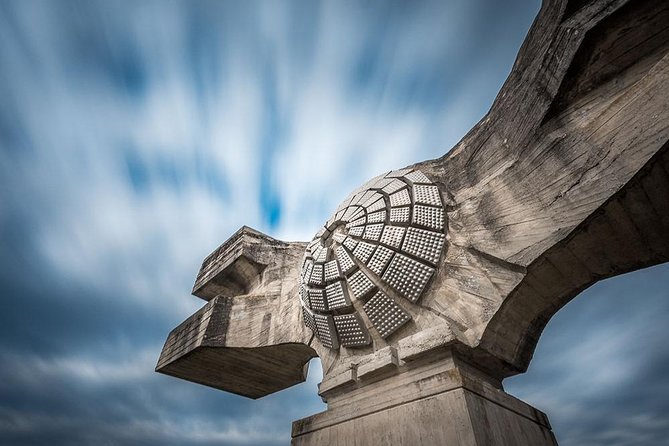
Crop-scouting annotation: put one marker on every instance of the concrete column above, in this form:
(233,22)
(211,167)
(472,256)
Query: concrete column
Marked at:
(437,400)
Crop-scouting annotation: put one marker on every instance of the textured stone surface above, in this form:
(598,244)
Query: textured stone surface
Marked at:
(563,183)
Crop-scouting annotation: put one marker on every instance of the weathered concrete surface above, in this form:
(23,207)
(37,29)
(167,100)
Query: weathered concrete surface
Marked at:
(235,342)
(439,400)
(563,183)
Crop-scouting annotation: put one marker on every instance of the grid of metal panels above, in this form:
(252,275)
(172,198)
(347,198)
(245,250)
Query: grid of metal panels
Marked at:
(403,255)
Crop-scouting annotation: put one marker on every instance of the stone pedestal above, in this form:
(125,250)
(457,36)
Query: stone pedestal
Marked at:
(440,401)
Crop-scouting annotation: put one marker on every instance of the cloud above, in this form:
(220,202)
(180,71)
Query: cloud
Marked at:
(137,136)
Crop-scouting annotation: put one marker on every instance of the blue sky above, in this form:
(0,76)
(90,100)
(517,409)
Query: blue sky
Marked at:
(136,136)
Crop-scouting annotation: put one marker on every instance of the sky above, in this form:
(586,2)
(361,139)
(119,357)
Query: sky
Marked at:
(136,136)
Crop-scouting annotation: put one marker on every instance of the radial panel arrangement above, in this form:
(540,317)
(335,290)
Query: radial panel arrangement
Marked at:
(389,233)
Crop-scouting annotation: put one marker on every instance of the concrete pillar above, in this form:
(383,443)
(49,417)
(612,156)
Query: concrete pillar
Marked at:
(440,399)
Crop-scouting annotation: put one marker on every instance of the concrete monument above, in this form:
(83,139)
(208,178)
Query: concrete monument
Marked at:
(431,284)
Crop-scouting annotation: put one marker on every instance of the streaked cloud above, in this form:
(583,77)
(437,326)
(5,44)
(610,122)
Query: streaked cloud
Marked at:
(137,136)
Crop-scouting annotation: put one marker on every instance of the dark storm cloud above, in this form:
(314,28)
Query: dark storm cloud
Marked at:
(136,136)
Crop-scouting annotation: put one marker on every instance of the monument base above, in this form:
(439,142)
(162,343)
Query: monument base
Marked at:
(441,402)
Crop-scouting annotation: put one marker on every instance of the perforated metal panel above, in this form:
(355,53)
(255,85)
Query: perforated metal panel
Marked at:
(400,198)
(417,177)
(307,270)
(357,222)
(379,204)
(392,236)
(308,318)
(360,284)
(339,237)
(351,330)
(373,232)
(407,276)
(336,295)
(317,299)
(363,251)
(326,331)
(427,194)
(385,314)
(381,183)
(332,270)
(304,296)
(316,252)
(380,259)
(373,198)
(350,243)
(357,231)
(394,185)
(316,274)
(377,217)
(322,255)
(399,215)
(349,213)
(345,261)
(424,244)
(428,216)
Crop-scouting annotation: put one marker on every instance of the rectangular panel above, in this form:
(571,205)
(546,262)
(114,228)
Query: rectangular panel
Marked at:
(428,216)
(385,314)
(424,244)
(363,251)
(360,284)
(393,235)
(407,276)
(377,217)
(357,231)
(399,215)
(308,318)
(427,195)
(400,198)
(373,232)
(337,296)
(350,243)
(325,330)
(377,205)
(332,271)
(316,274)
(351,330)
(345,261)
(417,177)
(380,259)
(317,299)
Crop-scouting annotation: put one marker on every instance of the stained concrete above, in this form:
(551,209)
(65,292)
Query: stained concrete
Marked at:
(563,183)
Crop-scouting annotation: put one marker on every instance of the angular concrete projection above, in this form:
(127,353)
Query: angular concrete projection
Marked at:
(431,284)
